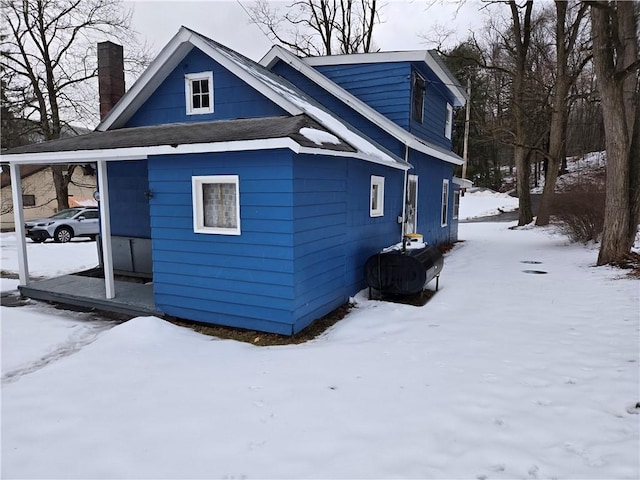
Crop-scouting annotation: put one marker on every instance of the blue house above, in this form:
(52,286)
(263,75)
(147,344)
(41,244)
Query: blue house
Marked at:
(253,193)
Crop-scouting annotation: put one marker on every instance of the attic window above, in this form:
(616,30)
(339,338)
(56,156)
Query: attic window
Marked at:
(417,97)
(216,204)
(199,92)
(448,125)
(377,197)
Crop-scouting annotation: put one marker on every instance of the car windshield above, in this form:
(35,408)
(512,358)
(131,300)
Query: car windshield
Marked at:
(66,213)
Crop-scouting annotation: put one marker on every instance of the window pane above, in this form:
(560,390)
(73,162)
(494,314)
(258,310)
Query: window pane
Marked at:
(219,205)
(196,101)
(374,196)
(204,86)
(205,101)
(195,86)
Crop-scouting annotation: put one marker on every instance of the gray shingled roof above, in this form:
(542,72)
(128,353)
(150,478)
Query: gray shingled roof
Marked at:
(189,133)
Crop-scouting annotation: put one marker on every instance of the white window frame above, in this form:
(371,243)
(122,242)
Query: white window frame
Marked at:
(378,192)
(189,78)
(444,213)
(448,124)
(456,204)
(198,206)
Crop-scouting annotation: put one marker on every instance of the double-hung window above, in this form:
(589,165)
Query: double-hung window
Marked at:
(376,198)
(216,204)
(445,202)
(198,89)
(448,125)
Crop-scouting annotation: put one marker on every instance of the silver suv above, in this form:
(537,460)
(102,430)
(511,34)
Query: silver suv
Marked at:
(64,225)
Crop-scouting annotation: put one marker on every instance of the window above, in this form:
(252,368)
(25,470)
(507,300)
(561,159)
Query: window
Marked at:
(376,204)
(417,97)
(216,204)
(199,93)
(28,200)
(445,202)
(91,214)
(456,204)
(448,125)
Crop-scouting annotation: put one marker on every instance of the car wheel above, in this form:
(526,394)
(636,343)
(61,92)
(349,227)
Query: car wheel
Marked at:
(63,235)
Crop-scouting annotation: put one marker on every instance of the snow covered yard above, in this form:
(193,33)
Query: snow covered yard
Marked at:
(503,374)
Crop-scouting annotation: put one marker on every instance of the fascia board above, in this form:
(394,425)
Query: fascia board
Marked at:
(168,58)
(382,57)
(278,53)
(243,74)
(388,162)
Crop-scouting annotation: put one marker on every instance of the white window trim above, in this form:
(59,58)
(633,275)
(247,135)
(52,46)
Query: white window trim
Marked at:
(448,124)
(190,77)
(456,204)
(444,213)
(198,207)
(379,181)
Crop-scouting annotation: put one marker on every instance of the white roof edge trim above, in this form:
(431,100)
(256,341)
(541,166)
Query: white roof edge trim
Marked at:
(240,72)
(360,156)
(279,53)
(398,56)
(140,153)
(463,182)
(170,49)
(180,45)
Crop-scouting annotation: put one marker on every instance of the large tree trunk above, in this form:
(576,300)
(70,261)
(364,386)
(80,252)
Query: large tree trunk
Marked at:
(523,188)
(615,53)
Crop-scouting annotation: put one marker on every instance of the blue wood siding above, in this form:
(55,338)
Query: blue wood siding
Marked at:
(436,98)
(336,106)
(386,87)
(431,173)
(232,98)
(367,235)
(242,280)
(128,205)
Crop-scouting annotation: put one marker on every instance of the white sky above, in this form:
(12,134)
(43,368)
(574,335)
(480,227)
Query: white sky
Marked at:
(227,22)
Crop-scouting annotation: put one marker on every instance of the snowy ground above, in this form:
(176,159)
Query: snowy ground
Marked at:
(503,374)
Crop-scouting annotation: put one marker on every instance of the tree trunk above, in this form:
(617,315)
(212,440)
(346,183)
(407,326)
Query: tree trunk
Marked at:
(615,53)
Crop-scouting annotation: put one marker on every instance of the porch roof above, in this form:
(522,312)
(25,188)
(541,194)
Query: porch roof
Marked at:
(175,135)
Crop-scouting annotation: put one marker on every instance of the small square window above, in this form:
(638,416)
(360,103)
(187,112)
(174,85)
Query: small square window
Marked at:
(448,125)
(376,204)
(216,204)
(28,200)
(445,202)
(199,93)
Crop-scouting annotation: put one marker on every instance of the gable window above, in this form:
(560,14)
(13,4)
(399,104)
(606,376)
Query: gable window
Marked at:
(445,202)
(417,96)
(216,204)
(448,125)
(376,201)
(198,89)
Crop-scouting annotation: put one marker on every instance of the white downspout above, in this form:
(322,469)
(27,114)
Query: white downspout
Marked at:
(18,218)
(105,230)
(404,192)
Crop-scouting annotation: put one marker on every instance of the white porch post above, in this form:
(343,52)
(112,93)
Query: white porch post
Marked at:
(105,230)
(18,218)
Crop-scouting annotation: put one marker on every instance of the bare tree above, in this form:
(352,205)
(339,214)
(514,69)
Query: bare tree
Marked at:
(615,52)
(569,62)
(48,61)
(320,27)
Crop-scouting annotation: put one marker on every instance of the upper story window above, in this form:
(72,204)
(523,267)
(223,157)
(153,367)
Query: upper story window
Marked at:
(198,89)
(448,125)
(376,201)
(418,86)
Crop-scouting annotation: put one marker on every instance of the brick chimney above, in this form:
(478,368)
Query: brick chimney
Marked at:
(110,75)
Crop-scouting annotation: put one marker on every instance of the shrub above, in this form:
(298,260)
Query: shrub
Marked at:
(580,208)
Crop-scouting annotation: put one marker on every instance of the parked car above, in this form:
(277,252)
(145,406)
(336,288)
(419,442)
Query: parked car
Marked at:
(64,225)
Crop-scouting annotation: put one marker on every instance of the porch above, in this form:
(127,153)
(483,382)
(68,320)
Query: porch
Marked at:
(131,298)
